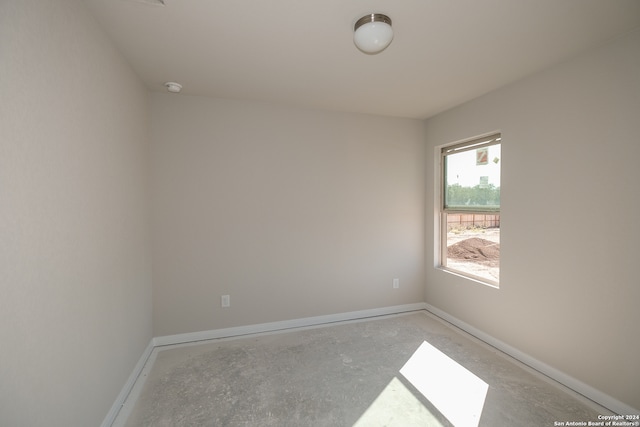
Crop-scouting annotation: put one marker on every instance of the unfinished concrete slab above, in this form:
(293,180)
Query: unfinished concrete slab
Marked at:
(399,370)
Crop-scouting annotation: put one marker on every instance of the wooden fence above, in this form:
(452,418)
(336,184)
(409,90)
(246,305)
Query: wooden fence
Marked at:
(466,221)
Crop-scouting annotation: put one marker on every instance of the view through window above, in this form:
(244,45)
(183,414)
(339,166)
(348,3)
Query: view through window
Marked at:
(470,208)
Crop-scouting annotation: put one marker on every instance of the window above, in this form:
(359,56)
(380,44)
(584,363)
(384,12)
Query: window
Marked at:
(470,208)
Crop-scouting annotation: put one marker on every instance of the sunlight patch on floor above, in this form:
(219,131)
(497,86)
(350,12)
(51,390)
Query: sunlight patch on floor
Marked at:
(396,406)
(455,391)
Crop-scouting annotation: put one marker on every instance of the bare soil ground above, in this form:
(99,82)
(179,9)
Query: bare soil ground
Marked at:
(475,251)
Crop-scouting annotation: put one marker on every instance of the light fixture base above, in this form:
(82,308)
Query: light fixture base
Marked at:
(372,17)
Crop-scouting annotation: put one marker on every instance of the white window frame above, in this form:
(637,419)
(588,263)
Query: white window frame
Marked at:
(486,140)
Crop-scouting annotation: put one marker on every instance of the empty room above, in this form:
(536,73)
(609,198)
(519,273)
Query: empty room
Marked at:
(292,213)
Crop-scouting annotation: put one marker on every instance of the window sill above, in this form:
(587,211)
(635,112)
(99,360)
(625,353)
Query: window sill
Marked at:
(471,277)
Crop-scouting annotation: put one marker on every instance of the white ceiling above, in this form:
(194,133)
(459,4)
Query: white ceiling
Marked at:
(301,52)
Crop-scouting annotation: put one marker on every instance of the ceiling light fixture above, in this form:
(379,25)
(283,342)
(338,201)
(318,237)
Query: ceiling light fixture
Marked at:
(173,87)
(373,33)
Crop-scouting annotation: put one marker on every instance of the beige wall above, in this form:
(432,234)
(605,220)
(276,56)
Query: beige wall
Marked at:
(75,275)
(569,291)
(293,213)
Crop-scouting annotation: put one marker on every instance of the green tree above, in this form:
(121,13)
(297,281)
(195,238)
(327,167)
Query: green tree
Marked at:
(466,197)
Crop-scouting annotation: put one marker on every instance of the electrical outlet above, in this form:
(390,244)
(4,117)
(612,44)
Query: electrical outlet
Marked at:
(225,300)
(396,283)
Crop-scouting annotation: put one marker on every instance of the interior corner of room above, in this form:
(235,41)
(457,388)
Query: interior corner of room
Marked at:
(132,217)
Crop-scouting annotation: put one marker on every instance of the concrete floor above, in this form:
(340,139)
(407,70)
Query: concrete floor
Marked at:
(401,370)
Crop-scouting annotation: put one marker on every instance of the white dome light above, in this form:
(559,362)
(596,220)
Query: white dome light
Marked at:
(373,33)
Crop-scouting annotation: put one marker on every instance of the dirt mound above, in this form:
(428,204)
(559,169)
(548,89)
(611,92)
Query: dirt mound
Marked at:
(477,250)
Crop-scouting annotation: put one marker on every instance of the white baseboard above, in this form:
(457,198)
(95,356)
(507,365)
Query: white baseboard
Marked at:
(128,386)
(112,415)
(578,386)
(283,325)
(568,381)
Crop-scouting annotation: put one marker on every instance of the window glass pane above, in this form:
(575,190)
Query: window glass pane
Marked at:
(473,244)
(472,179)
